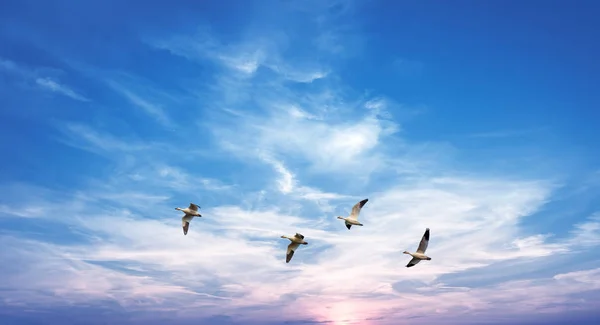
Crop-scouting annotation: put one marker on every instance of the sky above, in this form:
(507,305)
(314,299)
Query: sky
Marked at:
(476,119)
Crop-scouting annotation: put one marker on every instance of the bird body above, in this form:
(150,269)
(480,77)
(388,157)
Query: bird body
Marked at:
(352,219)
(419,255)
(190,213)
(296,241)
(192,210)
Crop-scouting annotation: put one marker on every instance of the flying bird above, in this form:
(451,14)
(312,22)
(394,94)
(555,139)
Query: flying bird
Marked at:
(420,254)
(190,213)
(296,240)
(352,219)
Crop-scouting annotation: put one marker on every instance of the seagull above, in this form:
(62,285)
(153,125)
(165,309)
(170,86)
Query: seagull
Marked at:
(190,213)
(420,254)
(297,239)
(352,219)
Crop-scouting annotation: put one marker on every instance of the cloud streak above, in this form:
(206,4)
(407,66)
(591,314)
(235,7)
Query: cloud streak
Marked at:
(154,110)
(243,59)
(54,86)
(43,82)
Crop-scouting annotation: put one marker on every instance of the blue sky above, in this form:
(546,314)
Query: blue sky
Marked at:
(476,119)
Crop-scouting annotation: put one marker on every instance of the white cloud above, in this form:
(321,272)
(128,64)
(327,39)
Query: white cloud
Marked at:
(176,178)
(143,163)
(591,277)
(332,131)
(154,110)
(84,137)
(24,212)
(288,184)
(47,275)
(476,216)
(9,65)
(35,75)
(54,86)
(333,145)
(587,233)
(244,58)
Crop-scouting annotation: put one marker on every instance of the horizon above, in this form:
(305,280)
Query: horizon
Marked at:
(476,120)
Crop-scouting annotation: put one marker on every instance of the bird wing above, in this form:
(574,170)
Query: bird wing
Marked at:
(185,224)
(297,235)
(290,251)
(356,209)
(193,207)
(424,242)
(413,262)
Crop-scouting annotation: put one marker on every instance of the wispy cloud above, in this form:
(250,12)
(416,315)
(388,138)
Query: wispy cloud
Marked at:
(288,184)
(85,137)
(140,162)
(587,233)
(80,281)
(244,58)
(59,88)
(325,127)
(346,144)
(10,66)
(478,217)
(507,133)
(154,110)
(43,82)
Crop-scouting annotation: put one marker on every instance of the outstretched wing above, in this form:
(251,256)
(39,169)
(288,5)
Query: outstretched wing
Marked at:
(424,242)
(186,225)
(356,209)
(290,251)
(413,262)
(348,226)
(193,207)
(299,236)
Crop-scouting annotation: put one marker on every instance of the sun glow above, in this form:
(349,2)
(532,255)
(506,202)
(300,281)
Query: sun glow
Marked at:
(344,313)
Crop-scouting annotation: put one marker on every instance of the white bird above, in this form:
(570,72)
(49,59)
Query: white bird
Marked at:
(352,219)
(420,254)
(296,240)
(190,213)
